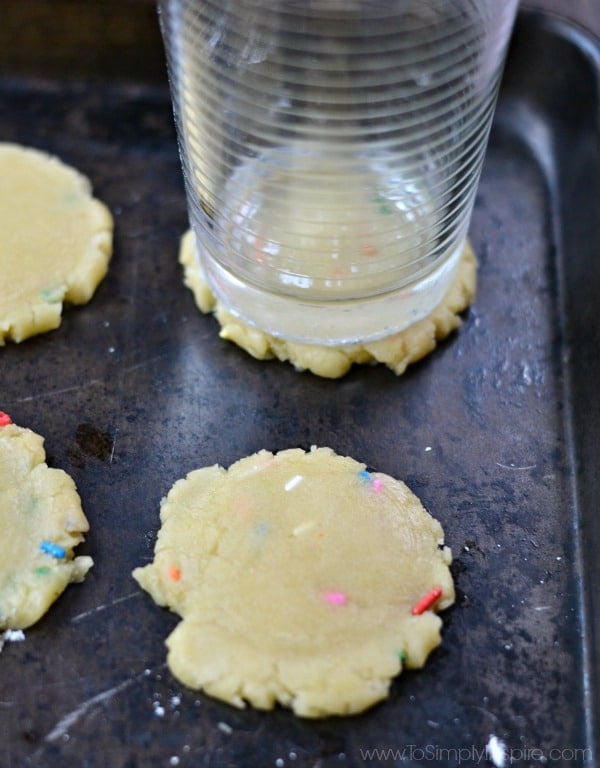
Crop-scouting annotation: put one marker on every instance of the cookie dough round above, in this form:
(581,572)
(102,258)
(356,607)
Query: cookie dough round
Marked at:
(298,577)
(41,521)
(397,351)
(56,241)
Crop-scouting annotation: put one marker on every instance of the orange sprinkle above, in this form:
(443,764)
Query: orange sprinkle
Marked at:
(427,602)
(174,574)
(369,250)
(339,272)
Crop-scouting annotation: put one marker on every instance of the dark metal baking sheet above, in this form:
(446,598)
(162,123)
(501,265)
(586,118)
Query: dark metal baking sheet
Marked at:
(495,432)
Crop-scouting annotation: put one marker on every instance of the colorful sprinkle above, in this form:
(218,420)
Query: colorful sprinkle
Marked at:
(376,483)
(384,207)
(5,419)
(52,549)
(402,656)
(339,272)
(335,598)
(259,532)
(43,570)
(303,528)
(427,602)
(258,241)
(293,482)
(52,295)
(242,508)
(368,250)
(174,574)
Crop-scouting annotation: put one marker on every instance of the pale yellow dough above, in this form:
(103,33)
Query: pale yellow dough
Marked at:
(397,351)
(37,504)
(295,575)
(55,243)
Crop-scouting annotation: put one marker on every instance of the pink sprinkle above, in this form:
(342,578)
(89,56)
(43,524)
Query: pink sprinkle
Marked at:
(377,484)
(335,598)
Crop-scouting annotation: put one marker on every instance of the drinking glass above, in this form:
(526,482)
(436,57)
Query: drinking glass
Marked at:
(331,151)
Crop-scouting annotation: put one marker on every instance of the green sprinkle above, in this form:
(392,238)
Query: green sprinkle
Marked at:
(384,206)
(72,198)
(53,295)
(402,656)
(43,570)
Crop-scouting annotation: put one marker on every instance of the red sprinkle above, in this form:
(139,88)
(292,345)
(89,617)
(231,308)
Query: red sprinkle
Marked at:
(427,602)
(174,574)
(5,419)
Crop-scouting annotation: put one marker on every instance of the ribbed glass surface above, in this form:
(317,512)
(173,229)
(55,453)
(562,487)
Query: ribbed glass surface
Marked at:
(331,152)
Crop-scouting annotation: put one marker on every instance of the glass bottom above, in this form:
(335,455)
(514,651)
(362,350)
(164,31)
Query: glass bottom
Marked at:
(327,322)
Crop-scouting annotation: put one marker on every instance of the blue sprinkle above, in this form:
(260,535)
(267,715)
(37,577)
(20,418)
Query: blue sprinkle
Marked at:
(261,529)
(364,475)
(52,549)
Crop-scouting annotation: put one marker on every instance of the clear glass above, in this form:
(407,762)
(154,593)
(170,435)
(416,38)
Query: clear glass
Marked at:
(331,151)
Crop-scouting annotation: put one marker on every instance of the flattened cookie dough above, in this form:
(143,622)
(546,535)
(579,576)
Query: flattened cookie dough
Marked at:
(397,351)
(300,578)
(56,241)
(41,521)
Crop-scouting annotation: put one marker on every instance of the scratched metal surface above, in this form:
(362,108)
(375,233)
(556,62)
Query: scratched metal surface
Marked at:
(493,431)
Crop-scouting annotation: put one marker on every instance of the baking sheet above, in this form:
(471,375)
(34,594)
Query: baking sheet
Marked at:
(494,432)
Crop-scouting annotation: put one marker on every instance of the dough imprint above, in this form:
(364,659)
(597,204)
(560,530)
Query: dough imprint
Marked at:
(56,241)
(296,575)
(397,351)
(41,521)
